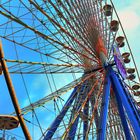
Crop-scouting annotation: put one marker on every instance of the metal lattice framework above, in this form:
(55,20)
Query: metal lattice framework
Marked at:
(68,46)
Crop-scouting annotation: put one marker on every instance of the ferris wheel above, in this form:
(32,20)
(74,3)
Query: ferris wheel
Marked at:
(69,72)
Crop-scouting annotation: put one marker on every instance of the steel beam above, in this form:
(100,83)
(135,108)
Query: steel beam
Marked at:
(85,122)
(104,109)
(60,117)
(119,89)
(73,129)
(82,95)
(123,118)
(13,94)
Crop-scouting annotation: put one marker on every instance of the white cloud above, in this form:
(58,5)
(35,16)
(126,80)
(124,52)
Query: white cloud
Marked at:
(129,19)
(130,16)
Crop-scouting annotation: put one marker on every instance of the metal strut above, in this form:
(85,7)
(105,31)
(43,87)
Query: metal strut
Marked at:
(104,109)
(119,90)
(82,95)
(60,117)
(85,121)
(123,117)
(13,94)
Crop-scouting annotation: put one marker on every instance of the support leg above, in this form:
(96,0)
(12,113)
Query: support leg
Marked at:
(104,109)
(59,118)
(123,118)
(82,95)
(118,89)
(13,94)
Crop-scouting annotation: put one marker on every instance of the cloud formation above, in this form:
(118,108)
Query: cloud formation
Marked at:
(130,16)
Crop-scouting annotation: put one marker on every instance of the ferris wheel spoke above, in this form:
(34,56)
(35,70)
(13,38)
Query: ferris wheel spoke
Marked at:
(53,34)
(45,36)
(72,19)
(56,94)
(50,97)
(75,16)
(95,114)
(27,67)
(61,28)
(17,20)
(82,22)
(78,111)
(71,27)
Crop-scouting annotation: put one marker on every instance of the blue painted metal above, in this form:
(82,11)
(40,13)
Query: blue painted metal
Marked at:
(131,101)
(96,114)
(59,118)
(123,118)
(119,89)
(104,109)
(73,129)
(82,95)
(85,122)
